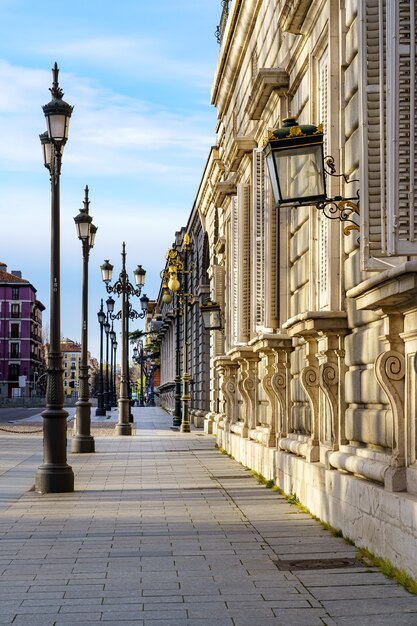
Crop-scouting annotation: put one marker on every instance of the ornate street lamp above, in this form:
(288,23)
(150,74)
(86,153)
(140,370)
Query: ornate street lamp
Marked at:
(122,287)
(212,315)
(55,475)
(175,267)
(298,170)
(82,440)
(100,398)
(178,264)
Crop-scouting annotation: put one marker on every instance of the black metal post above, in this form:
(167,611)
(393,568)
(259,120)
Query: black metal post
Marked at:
(55,475)
(100,397)
(185,422)
(114,374)
(107,404)
(129,386)
(177,398)
(141,374)
(82,440)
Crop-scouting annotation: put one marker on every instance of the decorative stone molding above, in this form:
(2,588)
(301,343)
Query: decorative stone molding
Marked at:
(247,383)
(293,14)
(268,80)
(324,371)
(222,189)
(276,349)
(240,146)
(392,293)
(227,369)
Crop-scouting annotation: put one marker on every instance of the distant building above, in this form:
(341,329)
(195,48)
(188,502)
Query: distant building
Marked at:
(21,354)
(71,353)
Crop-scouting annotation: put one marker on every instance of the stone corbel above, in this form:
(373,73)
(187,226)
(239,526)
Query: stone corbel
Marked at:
(222,189)
(241,145)
(247,383)
(330,372)
(325,376)
(276,348)
(390,374)
(228,372)
(310,378)
(391,294)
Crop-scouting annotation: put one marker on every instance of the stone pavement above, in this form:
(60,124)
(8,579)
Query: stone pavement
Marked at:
(164,530)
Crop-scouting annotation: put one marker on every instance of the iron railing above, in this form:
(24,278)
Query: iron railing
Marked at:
(223,21)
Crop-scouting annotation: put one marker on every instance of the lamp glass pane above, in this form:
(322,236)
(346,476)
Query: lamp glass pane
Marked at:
(300,173)
(58,127)
(83,229)
(212,318)
(47,153)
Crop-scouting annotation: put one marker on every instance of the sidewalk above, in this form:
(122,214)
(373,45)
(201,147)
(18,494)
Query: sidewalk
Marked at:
(164,530)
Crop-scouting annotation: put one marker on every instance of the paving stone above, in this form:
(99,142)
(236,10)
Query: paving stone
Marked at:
(149,538)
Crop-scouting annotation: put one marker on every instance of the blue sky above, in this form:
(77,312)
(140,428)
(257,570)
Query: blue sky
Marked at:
(138,74)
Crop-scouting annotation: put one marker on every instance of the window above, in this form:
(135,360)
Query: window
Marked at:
(14,371)
(14,350)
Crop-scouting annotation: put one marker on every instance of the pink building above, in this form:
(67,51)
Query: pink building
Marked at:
(21,358)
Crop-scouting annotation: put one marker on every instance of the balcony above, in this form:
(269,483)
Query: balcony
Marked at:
(223,21)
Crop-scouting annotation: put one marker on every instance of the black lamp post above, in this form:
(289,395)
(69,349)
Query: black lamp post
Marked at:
(55,475)
(107,404)
(138,356)
(100,398)
(181,265)
(112,390)
(114,373)
(122,287)
(82,440)
(176,266)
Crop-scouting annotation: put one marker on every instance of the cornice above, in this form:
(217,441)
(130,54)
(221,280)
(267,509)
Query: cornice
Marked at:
(268,80)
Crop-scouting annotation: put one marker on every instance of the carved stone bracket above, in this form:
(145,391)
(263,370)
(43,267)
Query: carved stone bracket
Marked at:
(228,372)
(390,372)
(324,371)
(310,378)
(247,382)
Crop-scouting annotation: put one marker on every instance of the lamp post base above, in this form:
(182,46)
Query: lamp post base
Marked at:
(123,429)
(82,443)
(54,479)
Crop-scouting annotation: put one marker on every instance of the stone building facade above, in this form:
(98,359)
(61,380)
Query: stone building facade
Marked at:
(171,334)
(313,381)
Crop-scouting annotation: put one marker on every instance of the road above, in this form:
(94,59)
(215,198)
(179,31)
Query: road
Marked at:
(12,414)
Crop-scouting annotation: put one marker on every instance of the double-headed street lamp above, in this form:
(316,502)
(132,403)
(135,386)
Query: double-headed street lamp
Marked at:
(122,287)
(82,440)
(131,314)
(55,475)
